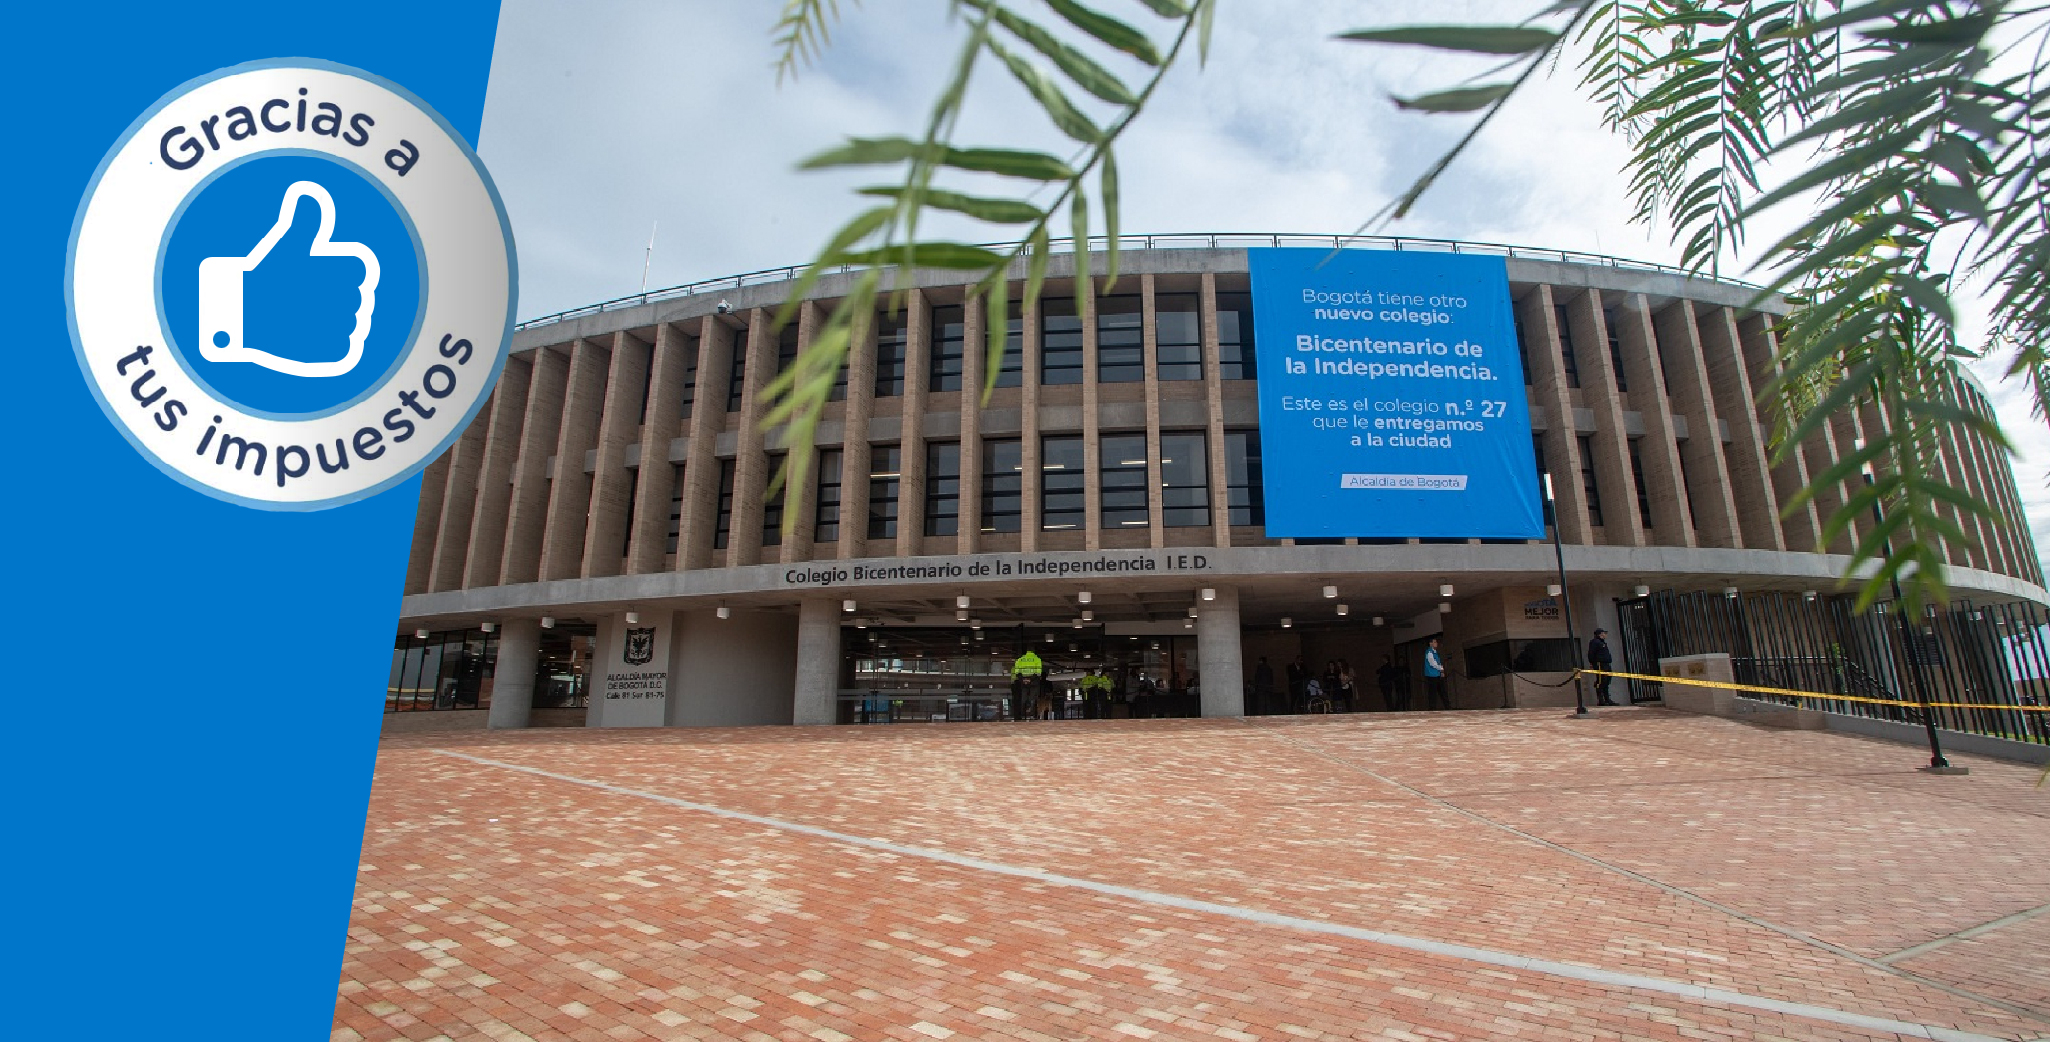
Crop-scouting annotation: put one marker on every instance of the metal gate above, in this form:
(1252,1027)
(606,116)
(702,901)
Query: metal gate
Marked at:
(1641,650)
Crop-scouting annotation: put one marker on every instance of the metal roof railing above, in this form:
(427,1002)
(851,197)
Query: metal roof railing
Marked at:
(1175,241)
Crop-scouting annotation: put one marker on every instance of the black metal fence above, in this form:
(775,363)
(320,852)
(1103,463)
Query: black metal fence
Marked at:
(1977,665)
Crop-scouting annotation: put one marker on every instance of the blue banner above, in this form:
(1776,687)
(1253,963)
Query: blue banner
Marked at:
(1391,396)
(197,686)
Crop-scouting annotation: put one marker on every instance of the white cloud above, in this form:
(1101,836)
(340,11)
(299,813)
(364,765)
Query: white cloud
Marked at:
(602,120)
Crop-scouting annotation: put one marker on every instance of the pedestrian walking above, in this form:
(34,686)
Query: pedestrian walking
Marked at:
(1434,678)
(1598,657)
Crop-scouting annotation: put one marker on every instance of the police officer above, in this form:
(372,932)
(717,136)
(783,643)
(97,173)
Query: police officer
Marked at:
(1096,695)
(1027,674)
(1598,657)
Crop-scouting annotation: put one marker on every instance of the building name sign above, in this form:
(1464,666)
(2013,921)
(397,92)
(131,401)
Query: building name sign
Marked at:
(1546,610)
(636,685)
(1000,565)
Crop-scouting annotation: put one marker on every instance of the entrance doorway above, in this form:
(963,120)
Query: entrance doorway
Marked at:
(959,674)
(562,673)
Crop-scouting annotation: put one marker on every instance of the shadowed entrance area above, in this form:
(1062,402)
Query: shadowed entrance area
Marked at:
(1474,875)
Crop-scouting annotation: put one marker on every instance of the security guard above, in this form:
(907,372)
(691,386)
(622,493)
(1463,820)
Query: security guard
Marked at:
(1028,675)
(1096,695)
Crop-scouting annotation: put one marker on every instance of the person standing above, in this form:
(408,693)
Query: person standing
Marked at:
(1434,678)
(1346,685)
(1599,657)
(1385,677)
(1263,686)
(1028,678)
(1298,680)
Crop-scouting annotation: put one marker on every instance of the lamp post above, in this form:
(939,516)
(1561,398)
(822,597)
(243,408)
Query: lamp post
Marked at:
(1936,761)
(1566,600)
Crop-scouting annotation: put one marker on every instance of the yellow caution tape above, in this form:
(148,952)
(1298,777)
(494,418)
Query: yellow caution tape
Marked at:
(1791,693)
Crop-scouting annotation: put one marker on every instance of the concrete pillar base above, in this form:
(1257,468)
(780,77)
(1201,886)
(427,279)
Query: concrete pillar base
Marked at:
(818,662)
(1219,660)
(512,683)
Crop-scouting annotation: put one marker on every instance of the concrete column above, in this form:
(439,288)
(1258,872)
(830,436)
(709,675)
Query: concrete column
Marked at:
(701,466)
(1715,507)
(1222,674)
(1028,429)
(613,483)
(528,512)
(459,504)
(427,521)
(1643,336)
(1548,391)
(818,661)
(512,683)
(974,373)
(1213,402)
(486,553)
(1750,470)
(1621,524)
(569,492)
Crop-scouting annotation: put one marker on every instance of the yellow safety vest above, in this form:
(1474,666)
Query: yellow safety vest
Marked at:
(1028,665)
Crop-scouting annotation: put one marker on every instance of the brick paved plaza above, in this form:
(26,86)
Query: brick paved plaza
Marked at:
(1473,875)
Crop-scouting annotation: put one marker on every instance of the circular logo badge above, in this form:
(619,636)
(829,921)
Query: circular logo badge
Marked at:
(291,284)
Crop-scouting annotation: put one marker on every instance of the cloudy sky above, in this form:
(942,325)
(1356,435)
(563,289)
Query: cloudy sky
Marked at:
(606,120)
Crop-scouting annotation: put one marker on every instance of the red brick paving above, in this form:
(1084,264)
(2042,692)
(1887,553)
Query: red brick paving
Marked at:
(581,913)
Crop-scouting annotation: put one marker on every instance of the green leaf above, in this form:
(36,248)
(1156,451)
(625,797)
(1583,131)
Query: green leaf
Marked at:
(1110,216)
(998,317)
(1032,166)
(1473,39)
(1115,34)
(864,224)
(1458,99)
(995,211)
(1078,231)
(859,151)
(953,256)
(1044,90)
(1167,8)
(1206,16)
(1079,67)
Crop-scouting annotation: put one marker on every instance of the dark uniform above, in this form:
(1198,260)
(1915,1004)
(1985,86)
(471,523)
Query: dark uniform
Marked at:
(1598,657)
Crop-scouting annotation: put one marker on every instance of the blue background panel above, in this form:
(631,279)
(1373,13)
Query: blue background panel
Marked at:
(195,688)
(1391,396)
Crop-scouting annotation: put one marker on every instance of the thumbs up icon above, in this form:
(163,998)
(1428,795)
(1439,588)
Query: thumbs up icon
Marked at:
(222,282)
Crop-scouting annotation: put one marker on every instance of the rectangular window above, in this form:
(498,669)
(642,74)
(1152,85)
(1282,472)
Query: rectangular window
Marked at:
(772,507)
(1235,357)
(1003,485)
(690,376)
(942,488)
(722,525)
(1566,346)
(884,475)
(633,493)
(1178,336)
(1537,446)
(1060,342)
(892,340)
(1011,368)
(1594,495)
(1120,340)
(1184,481)
(786,347)
(1244,494)
(737,382)
(1063,484)
(1637,475)
(1124,503)
(1686,487)
(1609,321)
(826,513)
(647,385)
(949,348)
(676,490)
(1523,349)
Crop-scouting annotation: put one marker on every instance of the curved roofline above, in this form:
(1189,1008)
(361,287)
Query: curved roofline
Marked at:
(1173,241)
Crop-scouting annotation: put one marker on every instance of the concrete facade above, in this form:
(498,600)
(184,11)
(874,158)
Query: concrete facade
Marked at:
(621,467)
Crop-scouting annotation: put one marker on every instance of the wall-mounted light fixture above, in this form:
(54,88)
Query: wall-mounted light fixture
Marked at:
(1088,616)
(1287,622)
(1642,591)
(1344,609)
(633,618)
(488,627)
(420,634)
(1444,607)
(1330,593)
(724,612)
(1808,595)
(1209,594)
(1553,590)
(961,616)
(1730,592)
(961,601)
(1082,597)
(847,606)
(1445,590)
(547,622)
(1378,620)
